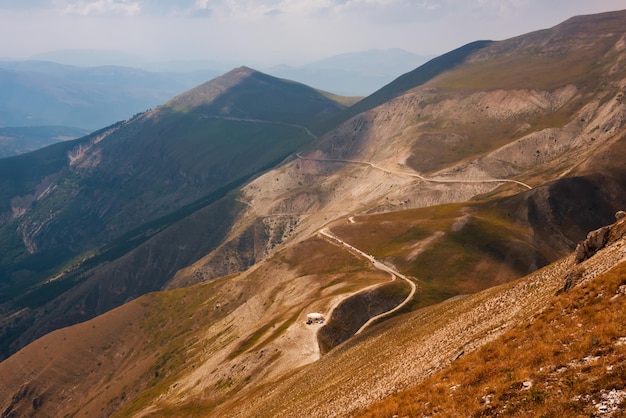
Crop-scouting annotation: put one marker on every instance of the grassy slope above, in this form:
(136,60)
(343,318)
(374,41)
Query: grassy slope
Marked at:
(573,354)
(123,360)
(246,93)
(395,355)
(572,52)
(329,272)
(449,249)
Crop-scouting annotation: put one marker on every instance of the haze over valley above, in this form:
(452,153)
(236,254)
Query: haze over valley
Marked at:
(446,236)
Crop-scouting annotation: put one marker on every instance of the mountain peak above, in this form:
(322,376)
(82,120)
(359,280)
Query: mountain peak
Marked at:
(245,93)
(206,93)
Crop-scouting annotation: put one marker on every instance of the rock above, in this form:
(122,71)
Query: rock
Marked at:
(573,278)
(596,240)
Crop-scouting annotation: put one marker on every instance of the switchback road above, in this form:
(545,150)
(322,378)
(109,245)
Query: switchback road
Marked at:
(380,266)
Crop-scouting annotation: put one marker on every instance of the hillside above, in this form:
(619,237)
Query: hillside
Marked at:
(89,202)
(459,195)
(198,351)
(430,339)
(211,325)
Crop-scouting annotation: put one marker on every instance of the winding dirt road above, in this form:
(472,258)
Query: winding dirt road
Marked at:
(419,176)
(380,266)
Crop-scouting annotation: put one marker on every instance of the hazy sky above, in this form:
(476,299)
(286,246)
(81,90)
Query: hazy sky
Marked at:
(272,31)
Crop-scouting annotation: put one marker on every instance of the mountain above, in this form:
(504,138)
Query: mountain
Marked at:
(70,208)
(89,57)
(14,141)
(35,93)
(353,74)
(458,216)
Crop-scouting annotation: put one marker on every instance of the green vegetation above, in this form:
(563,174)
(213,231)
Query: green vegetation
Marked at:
(151,173)
(317,256)
(20,175)
(522,71)
(171,322)
(282,101)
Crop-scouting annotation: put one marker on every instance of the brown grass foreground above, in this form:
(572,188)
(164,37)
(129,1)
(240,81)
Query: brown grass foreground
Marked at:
(568,361)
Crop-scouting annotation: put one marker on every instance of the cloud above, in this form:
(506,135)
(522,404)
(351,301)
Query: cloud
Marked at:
(100,7)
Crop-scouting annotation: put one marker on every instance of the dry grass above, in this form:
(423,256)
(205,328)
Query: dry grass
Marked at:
(317,256)
(564,362)
(529,71)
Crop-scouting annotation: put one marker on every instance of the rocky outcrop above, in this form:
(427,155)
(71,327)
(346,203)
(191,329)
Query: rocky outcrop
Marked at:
(596,240)
(600,238)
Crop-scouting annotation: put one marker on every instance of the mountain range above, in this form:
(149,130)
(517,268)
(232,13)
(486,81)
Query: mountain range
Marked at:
(45,98)
(43,93)
(165,265)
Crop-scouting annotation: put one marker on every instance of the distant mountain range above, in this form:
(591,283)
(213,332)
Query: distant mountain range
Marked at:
(36,93)
(353,74)
(77,89)
(446,226)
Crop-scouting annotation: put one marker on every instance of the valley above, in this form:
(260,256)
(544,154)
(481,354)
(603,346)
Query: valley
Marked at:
(166,265)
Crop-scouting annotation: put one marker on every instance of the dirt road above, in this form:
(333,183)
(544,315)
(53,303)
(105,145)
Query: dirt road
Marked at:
(419,176)
(380,266)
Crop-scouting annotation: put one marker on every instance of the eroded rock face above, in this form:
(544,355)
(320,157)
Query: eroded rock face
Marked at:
(596,240)
(600,238)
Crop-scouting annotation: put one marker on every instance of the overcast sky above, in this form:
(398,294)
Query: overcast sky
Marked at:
(272,31)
